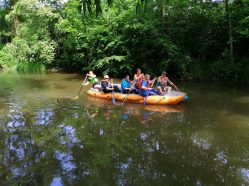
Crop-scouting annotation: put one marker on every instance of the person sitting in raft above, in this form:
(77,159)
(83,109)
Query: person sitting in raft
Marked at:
(126,86)
(162,83)
(106,85)
(137,77)
(92,79)
(144,87)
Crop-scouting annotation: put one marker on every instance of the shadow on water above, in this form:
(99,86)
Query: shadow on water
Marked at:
(49,139)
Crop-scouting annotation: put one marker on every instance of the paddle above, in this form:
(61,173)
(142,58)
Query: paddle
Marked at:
(113,97)
(134,82)
(176,88)
(145,99)
(185,97)
(80,89)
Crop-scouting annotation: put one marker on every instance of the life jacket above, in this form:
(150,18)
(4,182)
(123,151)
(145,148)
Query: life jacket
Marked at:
(104,84)
(141,81)
(164,81)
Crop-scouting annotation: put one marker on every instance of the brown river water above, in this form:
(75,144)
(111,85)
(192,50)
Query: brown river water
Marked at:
(47,138)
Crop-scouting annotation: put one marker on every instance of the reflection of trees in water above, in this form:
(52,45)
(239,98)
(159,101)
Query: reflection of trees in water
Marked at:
(112,146)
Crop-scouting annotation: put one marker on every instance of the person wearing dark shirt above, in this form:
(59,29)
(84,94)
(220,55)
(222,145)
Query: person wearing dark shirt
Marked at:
(106,85)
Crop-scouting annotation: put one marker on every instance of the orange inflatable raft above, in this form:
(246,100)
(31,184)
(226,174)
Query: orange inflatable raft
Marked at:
(171,98)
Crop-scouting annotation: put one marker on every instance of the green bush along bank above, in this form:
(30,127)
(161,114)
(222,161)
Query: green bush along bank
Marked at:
(189,39)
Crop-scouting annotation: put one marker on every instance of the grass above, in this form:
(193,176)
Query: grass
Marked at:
(30,67)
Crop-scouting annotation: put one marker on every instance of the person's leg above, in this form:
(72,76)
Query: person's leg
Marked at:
(136,91)
(153,92)
(97,86)
(133,91)
(159,89)
(168,88)
(116,89)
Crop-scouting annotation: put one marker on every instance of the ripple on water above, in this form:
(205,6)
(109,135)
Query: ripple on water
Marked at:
(67,103)
(244,173)
(56,182)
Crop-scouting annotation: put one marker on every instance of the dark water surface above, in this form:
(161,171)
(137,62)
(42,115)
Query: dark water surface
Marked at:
(46,138)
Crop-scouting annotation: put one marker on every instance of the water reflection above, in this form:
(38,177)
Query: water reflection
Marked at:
(53,140)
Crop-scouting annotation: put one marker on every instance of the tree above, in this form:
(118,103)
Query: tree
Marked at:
(230,34)
(31,38)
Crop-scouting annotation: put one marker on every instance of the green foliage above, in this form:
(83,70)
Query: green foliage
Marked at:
(185,38)
(99,46)
(107,62)
(31,41)
(6,59)
(31,67)
(4,28)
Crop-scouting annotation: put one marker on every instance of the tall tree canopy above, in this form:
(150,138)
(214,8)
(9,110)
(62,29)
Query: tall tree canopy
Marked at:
(191,39)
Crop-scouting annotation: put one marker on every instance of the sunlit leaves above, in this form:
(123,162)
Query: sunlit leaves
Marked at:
(31,42)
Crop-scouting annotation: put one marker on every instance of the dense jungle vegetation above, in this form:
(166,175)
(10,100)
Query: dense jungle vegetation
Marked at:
(199,39)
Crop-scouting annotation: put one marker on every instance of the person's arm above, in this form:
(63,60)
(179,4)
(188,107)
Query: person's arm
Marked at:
(172,84)
(109,88)
(125,85)
(86,83)
(122,85)
(144,86)
(110,85)
(128,86)
(135,77)
(141,76)
(152,81)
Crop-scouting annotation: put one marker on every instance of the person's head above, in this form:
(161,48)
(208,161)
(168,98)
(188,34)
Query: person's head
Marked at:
(106,77)
(91,74)
(164,74)
(147,76)
(127,78)
(138,71)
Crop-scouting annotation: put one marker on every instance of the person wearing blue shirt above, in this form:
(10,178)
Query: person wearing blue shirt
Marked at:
(126,85)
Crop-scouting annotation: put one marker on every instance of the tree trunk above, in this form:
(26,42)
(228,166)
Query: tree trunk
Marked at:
(230,33)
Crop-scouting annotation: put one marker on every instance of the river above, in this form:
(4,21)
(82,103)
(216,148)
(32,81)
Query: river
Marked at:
(46,138)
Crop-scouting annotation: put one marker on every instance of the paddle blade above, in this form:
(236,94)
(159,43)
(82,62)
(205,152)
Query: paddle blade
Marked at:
(75,98)
(125,99)
(185,98)
(145,99)
(113,99)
